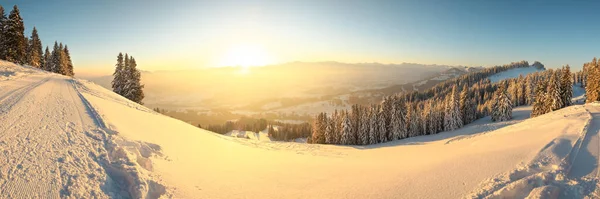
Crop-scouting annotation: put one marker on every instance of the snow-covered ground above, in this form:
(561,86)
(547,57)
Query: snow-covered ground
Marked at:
(63,137)
(513,73)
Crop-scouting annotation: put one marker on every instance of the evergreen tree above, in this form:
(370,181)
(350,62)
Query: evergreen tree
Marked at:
(397,122)
(346,130)
(502,105)
(453,118)
(329,130)
(118,81)
(382,126)
(363,133)
(68,67)
(373,128)
(14,37)
(539,105)
(34,51)
(592,88)
(553,97)
(566,84)
(464,103)
(55,62)
(46,64)
(133,86)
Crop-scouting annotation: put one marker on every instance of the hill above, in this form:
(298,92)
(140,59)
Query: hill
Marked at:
(66,137)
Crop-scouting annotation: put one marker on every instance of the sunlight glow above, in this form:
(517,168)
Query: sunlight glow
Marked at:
(246,56)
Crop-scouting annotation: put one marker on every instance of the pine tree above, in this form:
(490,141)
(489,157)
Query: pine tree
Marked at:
(464,103)
(363,133)
(133,85)
(592,88)
(566,84)
(46,64)
(318,132)
(68,68)
(553,97)
(373,128)
(118,81)
(346,130)
(34,50)
(397,121)
(14,37)
(539,105)
(55,66)
(382,126)
(502,105)
(329,130)
(452,119)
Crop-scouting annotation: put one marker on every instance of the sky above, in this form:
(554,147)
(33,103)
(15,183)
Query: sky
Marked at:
(175,35)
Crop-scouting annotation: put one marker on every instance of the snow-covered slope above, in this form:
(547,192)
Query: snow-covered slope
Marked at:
(63,137)
(513,73)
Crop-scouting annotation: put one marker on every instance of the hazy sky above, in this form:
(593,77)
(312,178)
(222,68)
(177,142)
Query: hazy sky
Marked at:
(192,34)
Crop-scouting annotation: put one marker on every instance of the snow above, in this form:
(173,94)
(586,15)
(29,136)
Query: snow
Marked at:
(513,73)
(259,136)
(63,137)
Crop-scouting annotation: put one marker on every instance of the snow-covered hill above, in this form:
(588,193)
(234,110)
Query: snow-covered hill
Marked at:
(63,137)
(513,73)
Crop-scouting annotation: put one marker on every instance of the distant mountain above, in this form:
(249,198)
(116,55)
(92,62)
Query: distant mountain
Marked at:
(231,86)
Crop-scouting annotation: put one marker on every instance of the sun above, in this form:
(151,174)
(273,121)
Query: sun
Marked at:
(246,56)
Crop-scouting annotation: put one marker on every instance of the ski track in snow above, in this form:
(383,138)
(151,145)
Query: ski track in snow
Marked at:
(53,144)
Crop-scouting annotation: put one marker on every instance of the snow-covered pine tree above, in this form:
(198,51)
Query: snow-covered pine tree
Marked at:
(68,68)
(337,123)
(502,105)
(346,130)
(566,83)
(14,37)
(318,132)
(592,88)
(397,123)
(363,133)
(373,128)
(452,118)
(539,105)
(46,64)
(382,125)
(55,66)
(34,52)
(329,130)
(464,103)
(415,123)
(425,117)
(553,96)
(134,90)
(409,120)
(355,120)
(118,81)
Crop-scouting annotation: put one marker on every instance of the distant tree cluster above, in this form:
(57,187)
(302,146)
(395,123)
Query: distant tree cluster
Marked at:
(127,79)
(447,106)
(277,130)
(243,124)
(15,47)
(289,132)
(554,91)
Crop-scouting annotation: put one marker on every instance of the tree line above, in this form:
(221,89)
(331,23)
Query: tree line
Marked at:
(16,47)
(447,106)
(127,79)
(277,130)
